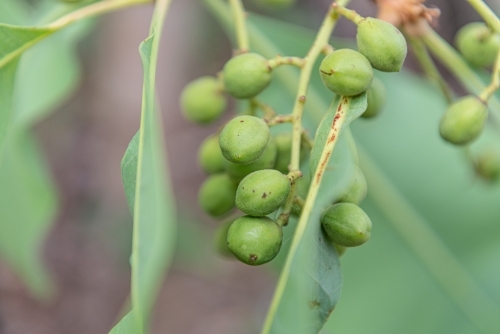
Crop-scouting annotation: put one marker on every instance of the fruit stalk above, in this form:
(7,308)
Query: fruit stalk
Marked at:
(487,14)
(240,26)
(495,81)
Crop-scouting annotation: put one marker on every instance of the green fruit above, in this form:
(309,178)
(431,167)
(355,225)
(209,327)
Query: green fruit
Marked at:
(220,238)
(244,139)
(216,196)
(210,156)
(478,44)
(246,75)
(254,240)
(262,192)
(375,98)
(266,161)
(487,166)
(382,43)
(202,100)
(464,120)
(346,224)
(358,189)
(346,72)
(275,3)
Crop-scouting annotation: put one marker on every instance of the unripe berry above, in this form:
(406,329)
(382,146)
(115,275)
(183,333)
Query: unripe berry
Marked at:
(487,166)
(266,161)
(478,44)
(358,189)
(202,100)
(346,224)
(220,238)
(346,72)
(262,192)
(375,99)
(244,139)
(254,240)
(382,43)
(210,156)
(464,120)
(216,196)
(246,75)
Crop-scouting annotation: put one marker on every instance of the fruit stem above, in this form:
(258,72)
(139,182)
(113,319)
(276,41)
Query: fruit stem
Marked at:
(348,13)
(239,16)
(429,66)
(279,119)
(488,15)
(294,175)
(327,49)
(495,82)
(280,60)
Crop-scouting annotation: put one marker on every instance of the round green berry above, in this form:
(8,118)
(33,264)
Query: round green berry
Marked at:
(464,120)
(246,75)
(202,100)
(358,189)
(346,225)
(346,72)
(210,156)
(262,192)
(382,43)
(254,240)
(478,44)
(220,238)
(487,166)
(266,161)
(375,98)
(244,139)
(216,196)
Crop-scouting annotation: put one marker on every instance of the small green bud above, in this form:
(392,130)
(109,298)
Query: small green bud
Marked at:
(210,156)
(376,96)
(216,196)
(346,72)
(262,192)
(346,225)
(244,139)
(254,240)
(266,161)
(464,120)
(246,75)
(358,189)
(202,100)
(487,166)
(478,44)
(382,43)
(220,238)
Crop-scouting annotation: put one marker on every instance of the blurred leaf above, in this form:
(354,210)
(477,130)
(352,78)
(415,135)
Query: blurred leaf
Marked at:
(7,78)
(154,212)
(127,325)
(13,12)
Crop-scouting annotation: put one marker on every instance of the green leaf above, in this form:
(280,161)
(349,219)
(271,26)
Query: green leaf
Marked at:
(127,325)
(144,165)
(7,77)
(13,12)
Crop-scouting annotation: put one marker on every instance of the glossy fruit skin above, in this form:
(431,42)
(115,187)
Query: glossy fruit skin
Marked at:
(254,240)
(487,166)
(464,120)
(346,225)
(216,195)
(358,189)
(244,139)
(376,97)
(210,157)
(220,238)
(346,72)
(262,192)
(478,44)
(266,161)
(382,43)
(202,100)
(246,75)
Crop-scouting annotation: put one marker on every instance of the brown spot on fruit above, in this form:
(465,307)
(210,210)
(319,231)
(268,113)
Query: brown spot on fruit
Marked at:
(253,257)
(264,195)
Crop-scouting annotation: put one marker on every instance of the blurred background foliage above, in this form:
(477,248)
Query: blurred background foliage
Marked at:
(62,180)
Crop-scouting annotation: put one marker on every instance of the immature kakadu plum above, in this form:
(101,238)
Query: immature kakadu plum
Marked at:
(346,224)
(216,196)
(202,100)
(375,96)
(265,161)
(254,240)
(464,120)
(358,189)
(244,139)
(346,72)
(262,192)
(246,75)
(210,156)
(382,43)
(487,166)
(478,44)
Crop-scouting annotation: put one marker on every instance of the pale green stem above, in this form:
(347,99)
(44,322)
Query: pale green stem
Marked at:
(280,60)
(488,15)
(348,13)
(240,25)
(495,82)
